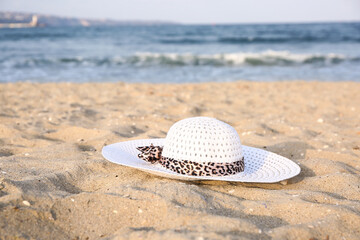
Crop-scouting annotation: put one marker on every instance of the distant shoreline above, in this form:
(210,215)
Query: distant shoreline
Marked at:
(46,20)
(18,19)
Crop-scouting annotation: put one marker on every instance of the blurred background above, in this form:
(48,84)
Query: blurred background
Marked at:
(179,41)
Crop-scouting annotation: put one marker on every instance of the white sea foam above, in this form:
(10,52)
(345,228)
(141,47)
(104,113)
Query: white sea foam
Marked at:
(236,59)
(266,58)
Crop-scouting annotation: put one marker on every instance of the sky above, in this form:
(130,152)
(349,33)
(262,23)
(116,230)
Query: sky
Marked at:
(195,11)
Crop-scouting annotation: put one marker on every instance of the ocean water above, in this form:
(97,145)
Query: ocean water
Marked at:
(182,53)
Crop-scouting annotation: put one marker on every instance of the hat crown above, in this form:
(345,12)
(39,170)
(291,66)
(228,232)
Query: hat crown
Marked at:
(202,139)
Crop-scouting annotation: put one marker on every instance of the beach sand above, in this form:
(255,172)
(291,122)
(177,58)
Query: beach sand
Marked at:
(55,184)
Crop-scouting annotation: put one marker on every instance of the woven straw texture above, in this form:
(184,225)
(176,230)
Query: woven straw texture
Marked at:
(260,165)
(202,139)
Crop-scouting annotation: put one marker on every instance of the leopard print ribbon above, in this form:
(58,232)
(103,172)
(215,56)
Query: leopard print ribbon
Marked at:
(152,154)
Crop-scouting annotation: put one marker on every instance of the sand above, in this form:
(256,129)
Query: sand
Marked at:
(54,183)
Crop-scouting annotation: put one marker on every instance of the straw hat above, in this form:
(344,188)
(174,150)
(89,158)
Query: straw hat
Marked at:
(202,148)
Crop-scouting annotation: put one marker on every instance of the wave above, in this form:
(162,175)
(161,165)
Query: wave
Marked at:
(267,58)
(183,41)
(16,36)
(211,39)
(292,39)
(259,40)
(236,40)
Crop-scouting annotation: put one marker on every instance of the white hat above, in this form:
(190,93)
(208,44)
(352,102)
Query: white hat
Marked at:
(202,148)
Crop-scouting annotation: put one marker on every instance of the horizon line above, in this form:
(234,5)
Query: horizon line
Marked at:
(182,23)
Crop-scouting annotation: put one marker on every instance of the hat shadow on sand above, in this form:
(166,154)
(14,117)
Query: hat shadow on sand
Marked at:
(297,152)
(293,150)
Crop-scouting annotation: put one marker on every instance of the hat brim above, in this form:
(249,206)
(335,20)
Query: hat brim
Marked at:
(260,166)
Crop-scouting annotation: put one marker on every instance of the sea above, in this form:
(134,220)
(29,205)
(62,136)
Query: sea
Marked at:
(182,53)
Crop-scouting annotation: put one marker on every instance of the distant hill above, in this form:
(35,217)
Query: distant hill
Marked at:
(55,21)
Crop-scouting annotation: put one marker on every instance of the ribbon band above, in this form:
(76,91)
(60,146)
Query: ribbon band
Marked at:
(153,155)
